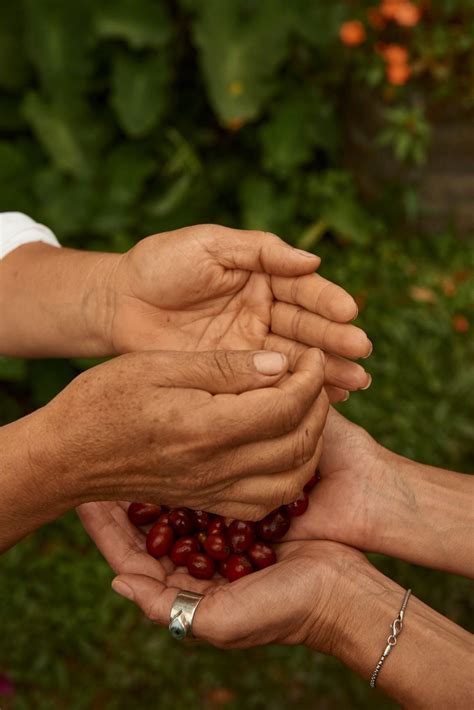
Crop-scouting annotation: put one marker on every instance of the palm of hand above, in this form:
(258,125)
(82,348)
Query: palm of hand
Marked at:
(212,310)
(268,607)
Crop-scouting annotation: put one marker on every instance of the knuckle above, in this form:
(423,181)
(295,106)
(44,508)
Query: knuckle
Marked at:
(291,412)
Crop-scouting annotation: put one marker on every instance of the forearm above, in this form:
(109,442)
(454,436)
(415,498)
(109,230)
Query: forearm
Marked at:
(55,302)
(32,489)
(423,515)
(430,665)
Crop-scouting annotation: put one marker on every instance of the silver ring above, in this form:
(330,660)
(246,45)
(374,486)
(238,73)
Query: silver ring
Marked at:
(182,614)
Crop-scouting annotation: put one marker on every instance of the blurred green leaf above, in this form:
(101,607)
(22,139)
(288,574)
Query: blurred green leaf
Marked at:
(241,45)
(12,369)
(139,94)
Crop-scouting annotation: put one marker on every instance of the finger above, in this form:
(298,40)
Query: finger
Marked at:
(219,371)
(269,492)
(291,348)
(261,252)
(153,597)
(120,542)
(282,453)
(345,374)
(339,372)
(305,327)
(317,295)
(270,412)
(335,394)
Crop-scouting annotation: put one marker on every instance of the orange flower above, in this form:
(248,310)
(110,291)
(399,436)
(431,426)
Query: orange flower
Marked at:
(398,74)
(460,324)
(352,33)
(408,15)
(375,18)
(394,54)
(403,12)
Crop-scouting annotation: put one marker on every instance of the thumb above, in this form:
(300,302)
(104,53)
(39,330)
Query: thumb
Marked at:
(154,598)
(265,252)
(220,371)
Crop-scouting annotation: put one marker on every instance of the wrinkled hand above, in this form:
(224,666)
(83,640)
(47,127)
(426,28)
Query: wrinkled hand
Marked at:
(295,601)
(203,430)
(212,288)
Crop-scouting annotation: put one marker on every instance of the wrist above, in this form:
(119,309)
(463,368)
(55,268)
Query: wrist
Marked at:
(33,490)
(99,302)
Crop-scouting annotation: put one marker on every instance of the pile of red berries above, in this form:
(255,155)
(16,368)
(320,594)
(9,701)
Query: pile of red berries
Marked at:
(205,543)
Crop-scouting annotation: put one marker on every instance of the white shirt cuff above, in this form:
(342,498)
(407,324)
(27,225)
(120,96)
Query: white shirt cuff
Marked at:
(17,229)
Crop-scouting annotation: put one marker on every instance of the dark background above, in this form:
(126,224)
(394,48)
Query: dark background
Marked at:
(125,118)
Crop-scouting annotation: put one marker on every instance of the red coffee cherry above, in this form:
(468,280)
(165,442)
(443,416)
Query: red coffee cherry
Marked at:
(159,540)
(216,526)
(261,555)
(274,526)
(216,547)
(238,566)
(311,483)
(201,519)
(143,513)
(299,506)
(200,565)
(181,550)
(181,520)
(241,535)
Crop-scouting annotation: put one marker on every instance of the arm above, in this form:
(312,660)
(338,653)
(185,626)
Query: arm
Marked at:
(55,302)
(378,501)
(321,594)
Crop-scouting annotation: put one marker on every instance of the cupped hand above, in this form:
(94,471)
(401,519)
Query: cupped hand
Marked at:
(222,431)
(345,502)
(213,288)
(296,601)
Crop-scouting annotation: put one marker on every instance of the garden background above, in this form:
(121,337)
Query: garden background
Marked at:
(122,118)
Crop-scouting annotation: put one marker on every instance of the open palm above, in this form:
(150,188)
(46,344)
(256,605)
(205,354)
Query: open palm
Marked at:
(209,288)
(276,605)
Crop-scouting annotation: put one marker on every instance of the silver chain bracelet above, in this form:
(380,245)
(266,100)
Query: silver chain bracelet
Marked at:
(397,626)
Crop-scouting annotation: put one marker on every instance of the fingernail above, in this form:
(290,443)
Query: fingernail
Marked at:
(123,589)
(307,254)
(269,363)
(348,394)
(370,351)
(368,384)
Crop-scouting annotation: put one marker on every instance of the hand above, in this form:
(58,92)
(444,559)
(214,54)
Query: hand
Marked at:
(321,594)
(377,501)
(346,502)
(295,601)
(213,288)
(186,429)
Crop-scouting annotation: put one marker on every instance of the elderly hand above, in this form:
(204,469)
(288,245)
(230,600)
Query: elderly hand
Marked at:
(212,288)
(222,431)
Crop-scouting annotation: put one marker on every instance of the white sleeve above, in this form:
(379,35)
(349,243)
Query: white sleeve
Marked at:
(17,229)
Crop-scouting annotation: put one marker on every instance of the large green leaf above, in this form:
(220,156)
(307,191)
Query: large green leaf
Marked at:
(241,45)
(139,91)
(141,23)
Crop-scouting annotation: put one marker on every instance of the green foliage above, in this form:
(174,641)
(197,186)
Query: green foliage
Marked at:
(121,118)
